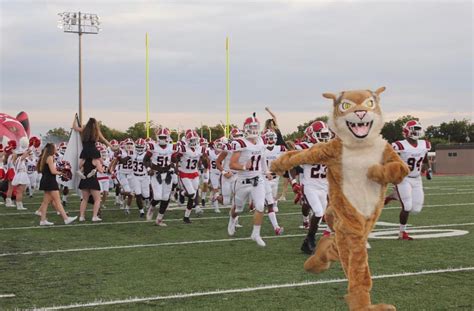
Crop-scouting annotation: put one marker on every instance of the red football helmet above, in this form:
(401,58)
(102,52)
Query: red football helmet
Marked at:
(140,145)
(317,132)
(236,133)
(270,137)
(129,145)
(62,147)
(114,143)
(192,138)
(219,144)
(251,127)
(163,135)
(11,145)
(35,142)
(413,129)
(203,142)
(103,151)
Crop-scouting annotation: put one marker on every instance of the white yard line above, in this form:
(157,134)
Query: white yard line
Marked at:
(248,289)
(88,249)
(7,295)
(197,218)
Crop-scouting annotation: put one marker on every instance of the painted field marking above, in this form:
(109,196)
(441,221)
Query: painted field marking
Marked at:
(248,289)
(87,249)
(198,218)
(415,233)
(7,295)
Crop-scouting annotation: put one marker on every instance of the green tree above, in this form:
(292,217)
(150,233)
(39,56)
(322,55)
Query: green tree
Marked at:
(392,130)
(451,132)
(110,133)
(56,135)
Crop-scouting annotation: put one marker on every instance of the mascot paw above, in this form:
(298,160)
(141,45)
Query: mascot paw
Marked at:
(282,164)
(321,260)
(376,173)
(382,307)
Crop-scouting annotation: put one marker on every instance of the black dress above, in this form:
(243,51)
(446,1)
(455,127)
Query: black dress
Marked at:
(89,152)
(48,180)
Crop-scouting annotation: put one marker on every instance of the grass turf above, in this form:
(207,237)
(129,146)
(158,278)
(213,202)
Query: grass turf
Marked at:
(149,270)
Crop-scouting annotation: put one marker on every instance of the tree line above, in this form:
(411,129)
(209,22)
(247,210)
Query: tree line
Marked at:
(455,131)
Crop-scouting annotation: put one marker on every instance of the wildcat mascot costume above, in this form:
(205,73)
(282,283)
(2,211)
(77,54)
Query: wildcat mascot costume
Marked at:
(360,165)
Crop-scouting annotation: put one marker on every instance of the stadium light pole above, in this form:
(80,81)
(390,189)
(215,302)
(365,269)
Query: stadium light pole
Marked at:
(80,23)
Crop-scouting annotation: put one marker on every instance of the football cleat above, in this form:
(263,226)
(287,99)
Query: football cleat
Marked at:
(160,223)
(308,245)
(231,226)
(279,231)
(258,239)
(305,225)
(149,213)
(186,220)
(404,236)
(198,210)
(142,213)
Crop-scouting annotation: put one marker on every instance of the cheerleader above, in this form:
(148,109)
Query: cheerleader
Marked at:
(21,179)
(50,186)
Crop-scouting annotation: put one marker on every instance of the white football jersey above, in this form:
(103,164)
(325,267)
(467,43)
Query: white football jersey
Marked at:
(272,152)
(105,165)
(255,153)
(412,155)
(138,165)
(31,163)
(161,155)
(314,175)
(212,155)
(189,162)
(126,168)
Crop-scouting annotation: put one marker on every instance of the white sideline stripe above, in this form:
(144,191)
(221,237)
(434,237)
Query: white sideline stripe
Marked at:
(73,250)
(135,222)
(86,249)
(7,295)
(248,289)
(198,218)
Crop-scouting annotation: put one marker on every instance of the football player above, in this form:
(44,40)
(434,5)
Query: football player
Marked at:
(189,156)
(61,151)
(314,184)
(414,151)
(141,179)
(248,159)
(161,169)
(123,159)
(214,172)
(223,165)
(204,173)
(104,177)
(272,152)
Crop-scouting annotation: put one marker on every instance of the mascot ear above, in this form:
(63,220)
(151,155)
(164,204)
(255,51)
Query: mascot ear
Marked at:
(330,96)
(380,90)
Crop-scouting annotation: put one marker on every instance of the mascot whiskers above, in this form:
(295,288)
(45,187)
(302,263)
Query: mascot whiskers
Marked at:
(360,165)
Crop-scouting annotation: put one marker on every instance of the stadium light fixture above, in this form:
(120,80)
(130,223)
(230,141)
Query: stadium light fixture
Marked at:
(80,23)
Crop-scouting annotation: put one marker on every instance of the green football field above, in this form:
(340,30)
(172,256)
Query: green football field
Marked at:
(126,263)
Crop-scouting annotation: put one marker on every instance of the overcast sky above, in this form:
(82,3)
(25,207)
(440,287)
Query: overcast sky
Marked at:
(283,54)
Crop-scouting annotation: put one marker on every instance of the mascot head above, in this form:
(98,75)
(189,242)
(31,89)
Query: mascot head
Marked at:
(12,128)
(357,117)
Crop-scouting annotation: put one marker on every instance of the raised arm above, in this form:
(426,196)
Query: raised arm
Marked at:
(272,115)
